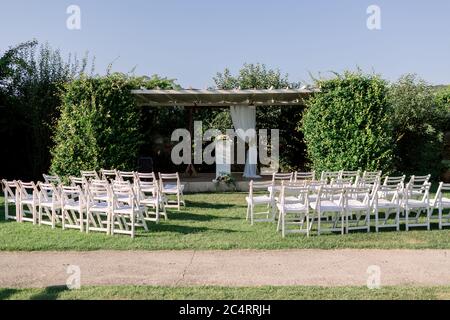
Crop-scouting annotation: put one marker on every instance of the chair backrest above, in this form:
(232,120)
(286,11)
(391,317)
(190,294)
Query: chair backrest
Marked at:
(88,175)
(350,174)
(341,182)
(369,174)
(409,188)
(148,177)
(126,176)
(419,180)
(360,193)
(260,186)
(123,191)
(443,187)
(9,189)
(309,176)
(331,193)
(48,192)
(328,175)
(388,180)
(77,181)
(72,193)
(368,181)
(51,179)
(169,177)
(294,188)
(145,187)
(280,176)
(98,190)
(27,190)
(108,174)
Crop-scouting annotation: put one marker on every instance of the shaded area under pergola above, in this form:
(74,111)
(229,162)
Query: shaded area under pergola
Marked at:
(218,98)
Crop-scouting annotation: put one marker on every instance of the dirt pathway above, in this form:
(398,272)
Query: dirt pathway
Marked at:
(227,268)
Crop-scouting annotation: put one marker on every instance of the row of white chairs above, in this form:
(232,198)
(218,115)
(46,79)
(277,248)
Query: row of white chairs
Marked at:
(109,206)
(169,183)
(346,206)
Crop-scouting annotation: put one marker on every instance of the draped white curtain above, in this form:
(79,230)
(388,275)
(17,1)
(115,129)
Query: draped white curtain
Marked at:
(244,122)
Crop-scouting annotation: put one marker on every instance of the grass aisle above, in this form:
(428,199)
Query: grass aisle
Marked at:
(227,293)
(210,221)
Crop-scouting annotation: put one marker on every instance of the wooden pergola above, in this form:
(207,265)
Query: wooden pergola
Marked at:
(217,98)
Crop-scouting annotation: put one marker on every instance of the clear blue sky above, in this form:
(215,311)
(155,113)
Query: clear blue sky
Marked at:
(192,40)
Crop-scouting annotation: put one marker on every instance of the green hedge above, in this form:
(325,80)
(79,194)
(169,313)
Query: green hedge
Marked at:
(347,125)
(100,124)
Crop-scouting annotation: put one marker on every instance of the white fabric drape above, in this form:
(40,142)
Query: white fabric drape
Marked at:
(244,122)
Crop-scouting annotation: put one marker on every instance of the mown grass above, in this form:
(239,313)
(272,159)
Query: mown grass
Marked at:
(227,293)
(210,221)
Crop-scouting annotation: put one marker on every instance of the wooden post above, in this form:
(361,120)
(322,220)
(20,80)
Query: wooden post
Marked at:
(190,169)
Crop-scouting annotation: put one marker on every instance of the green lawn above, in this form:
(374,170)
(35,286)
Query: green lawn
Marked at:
(228,293)
(210,221)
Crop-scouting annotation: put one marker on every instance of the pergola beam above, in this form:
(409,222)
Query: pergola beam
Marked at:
(222,98)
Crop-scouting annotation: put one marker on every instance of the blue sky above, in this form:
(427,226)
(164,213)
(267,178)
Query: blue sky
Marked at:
(192,40)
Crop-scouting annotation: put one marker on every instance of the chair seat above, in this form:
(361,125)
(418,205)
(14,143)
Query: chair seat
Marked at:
(292,207)
(50,204)
(415,204)
(72,205)
(326,205)
(125,210)
(445,203)
(288,199)
(259,200)
(172,188)
(98,207)
(383,203)
(353,204)
(152,201)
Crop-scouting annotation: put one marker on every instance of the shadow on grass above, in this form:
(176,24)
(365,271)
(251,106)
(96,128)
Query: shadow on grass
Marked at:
(7,293)
(49,293)
(206,205)
(161,227)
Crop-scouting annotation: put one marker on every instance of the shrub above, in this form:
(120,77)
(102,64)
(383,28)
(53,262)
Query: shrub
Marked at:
(99,125)
(418,122)
(347,125)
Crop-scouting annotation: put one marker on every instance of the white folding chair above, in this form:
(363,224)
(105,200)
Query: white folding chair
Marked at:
(255,200)
(307,176)
(74,207)
(329,209)
(98,208)
(126,213)
(357,208)
(386,200)
(108,175)
(278,177)
(149,196)
(89,175)
(11,196)
(28,201)
(293,216)
(441,203)
(353,175)
(417,184)
(372,174)
(78,182)
(51,179)
(126,176)
(327,176)
(49,204)
(146,177)
(173,188)
(411,204)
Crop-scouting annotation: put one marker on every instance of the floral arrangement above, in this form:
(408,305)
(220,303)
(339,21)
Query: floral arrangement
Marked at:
(225,178)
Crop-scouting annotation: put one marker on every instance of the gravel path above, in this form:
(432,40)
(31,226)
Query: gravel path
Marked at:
(227,268)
